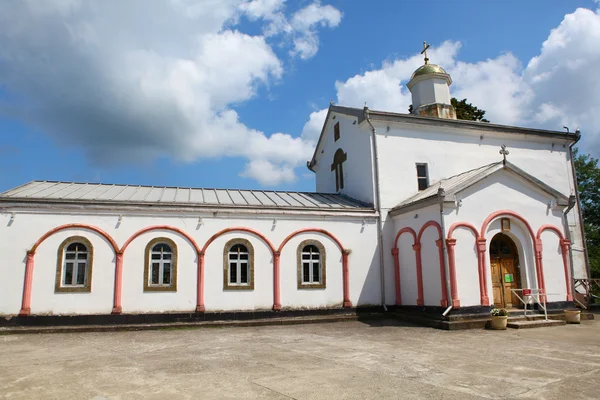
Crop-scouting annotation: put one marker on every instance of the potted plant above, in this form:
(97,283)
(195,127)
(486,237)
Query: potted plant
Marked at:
(499,318)
(573,316)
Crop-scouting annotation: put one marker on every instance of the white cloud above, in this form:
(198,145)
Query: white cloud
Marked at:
(268,173)
(312,128)
(129,82)
(301,28)
(305,22)
(557,87)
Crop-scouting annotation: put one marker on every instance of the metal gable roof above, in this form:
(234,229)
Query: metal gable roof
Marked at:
(449,187)
(75,192)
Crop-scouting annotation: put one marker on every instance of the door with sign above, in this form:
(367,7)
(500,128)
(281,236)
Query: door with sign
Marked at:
(504,263)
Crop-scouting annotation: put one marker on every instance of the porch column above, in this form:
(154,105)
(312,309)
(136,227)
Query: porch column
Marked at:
(117,309)
(346,278)
(450,243)
(481,250)
(200,283)
(444,301)
(417,249)
(276,293)
(395,252)
(564,247)
(539,267)
(26,301)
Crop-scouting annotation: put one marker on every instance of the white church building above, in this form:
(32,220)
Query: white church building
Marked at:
(418,211)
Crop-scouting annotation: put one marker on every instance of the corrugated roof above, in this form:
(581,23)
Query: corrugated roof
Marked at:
(448,184)
(457,183)
(74,192)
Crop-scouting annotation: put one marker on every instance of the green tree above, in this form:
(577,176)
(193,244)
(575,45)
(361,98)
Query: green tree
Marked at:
(464,110)
(587,171)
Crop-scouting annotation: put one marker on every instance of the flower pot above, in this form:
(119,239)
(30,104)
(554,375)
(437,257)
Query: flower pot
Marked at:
(573,316)
(500,322)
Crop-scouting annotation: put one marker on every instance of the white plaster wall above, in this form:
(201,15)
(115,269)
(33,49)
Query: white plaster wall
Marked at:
(449,152)
(27,228)
(551,252)
(358,169)
(502,191)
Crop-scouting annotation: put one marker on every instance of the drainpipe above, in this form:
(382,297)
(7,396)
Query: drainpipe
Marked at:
(572,202)
(377,205)
(580,213)
(441,195)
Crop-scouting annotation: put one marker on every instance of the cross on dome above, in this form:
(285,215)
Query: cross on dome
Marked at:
(424,52)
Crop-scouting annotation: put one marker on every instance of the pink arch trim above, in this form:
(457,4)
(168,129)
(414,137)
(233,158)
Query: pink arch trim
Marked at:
(536,243)
(345,272)
(405,230)
(501,213)
(201,253)
(160,227)
(239,229)
(26,300)
(117,309)
(395,253)
(450,243)
(564,249)
(549,228)
(467,225)
(441,258)
(312,230)
(75,226)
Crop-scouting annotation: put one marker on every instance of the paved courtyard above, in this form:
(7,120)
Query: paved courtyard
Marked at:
(344,360)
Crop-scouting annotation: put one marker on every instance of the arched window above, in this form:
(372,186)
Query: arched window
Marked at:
(311,265)
(74,266)
(160,272)
(238,268)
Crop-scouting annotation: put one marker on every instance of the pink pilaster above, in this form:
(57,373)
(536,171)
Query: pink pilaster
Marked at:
(481,250)
(26,303)
(200,284)
(346,278)
(276,289)
(444,301)
(117,308)
(395,253)
(417,249)
(450,243)
(564,246)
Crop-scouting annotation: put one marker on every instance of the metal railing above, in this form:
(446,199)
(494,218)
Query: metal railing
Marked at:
(537,295)
(586,291)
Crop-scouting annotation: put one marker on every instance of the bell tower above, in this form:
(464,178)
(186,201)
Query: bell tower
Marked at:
(430,89)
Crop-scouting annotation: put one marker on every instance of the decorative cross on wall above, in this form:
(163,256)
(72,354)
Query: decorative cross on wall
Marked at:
(424,52)
(504,152)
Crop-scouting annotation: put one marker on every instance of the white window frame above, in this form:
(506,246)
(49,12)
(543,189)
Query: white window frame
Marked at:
(426,177)
(75,261)
(161,266)
(311,263)
(240,262)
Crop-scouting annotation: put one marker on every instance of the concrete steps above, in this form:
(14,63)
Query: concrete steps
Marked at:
(536,323)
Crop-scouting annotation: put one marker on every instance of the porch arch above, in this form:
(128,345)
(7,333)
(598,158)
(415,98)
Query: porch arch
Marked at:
(441,260)
(30,263)
(450,243)
(564,249)
(481,245)
(345,252)
(395,254)
(200,294)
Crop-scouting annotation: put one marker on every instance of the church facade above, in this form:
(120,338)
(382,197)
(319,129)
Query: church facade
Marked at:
(418,210)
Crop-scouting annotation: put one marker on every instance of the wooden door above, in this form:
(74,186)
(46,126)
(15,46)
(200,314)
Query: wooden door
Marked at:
(497,288)
(510,280)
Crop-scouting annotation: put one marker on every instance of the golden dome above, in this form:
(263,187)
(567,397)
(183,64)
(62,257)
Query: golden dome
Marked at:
(428,69)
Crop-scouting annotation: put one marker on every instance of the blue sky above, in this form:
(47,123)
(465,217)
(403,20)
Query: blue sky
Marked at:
(288,63)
